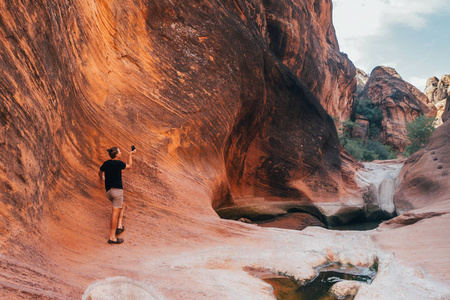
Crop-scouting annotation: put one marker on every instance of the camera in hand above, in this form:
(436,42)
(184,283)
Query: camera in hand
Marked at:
(133,148)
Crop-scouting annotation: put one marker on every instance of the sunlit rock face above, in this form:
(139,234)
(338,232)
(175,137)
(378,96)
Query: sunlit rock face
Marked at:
(302,36)
(438,91)
(400,102)
(210,93)
(361,81)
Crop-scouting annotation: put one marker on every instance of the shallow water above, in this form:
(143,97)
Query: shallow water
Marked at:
(358,226)
(287,288)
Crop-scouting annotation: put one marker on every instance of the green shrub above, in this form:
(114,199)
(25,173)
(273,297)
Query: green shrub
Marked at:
(374,130)
(373,113)
(358,150)
(368,155)
(418,132)
(367,151)
(347,127)
(383,151)
(354,147)
(363,150)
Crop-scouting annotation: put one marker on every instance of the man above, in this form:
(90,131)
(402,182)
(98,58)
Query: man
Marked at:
(112,176)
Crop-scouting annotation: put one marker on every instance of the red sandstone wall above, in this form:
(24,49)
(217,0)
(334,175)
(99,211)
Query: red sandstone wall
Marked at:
(198,88)
(214,109)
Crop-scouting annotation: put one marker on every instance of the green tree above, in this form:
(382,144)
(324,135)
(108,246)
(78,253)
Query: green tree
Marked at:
(418,132)
(363,150)
(373,113)
(381,150)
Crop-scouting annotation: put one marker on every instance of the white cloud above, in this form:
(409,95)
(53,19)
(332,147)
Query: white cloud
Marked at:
(356,21)
(360,18)
(418,82)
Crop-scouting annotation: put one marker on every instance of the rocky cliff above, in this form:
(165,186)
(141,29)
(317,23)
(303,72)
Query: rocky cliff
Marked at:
(400,102)
(201,90)
(361,81)
(438,91)
(303,38)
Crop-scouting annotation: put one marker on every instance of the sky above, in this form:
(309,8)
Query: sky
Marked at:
(411,36)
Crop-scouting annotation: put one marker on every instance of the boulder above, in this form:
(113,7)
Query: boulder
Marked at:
(400,102)
(345,288)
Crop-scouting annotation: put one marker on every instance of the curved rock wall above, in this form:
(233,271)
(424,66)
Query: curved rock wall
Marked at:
(425,178)
(400,102)
(446,113)
(199,88)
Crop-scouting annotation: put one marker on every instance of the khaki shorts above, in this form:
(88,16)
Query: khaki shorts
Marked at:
(115,196)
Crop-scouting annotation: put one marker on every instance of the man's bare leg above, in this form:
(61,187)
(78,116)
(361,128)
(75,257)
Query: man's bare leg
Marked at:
(114,219)
(119,224)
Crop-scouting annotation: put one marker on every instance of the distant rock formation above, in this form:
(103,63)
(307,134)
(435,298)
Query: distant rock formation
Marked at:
(438,91)
(361,81)
(400,102)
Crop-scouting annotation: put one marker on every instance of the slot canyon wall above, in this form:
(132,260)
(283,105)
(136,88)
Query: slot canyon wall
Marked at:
(199,88)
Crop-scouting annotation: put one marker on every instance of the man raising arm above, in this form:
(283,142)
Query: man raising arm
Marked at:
(111,172)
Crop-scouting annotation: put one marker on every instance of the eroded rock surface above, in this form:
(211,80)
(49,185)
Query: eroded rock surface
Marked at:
(425,178)
(419,238)
(302,36)
(400,102)
(438,91)
(361,81)
(361,131)
(446,113)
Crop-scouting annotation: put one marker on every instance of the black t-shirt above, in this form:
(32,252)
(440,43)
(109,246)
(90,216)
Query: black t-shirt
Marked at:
(113,173)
